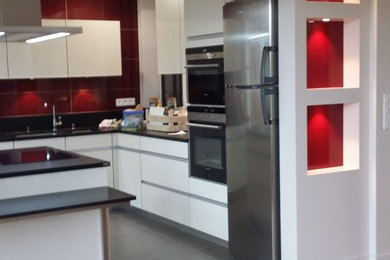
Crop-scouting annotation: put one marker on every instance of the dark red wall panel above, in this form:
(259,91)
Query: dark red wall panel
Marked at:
(53,9)
(325,54)
(325,136)
(26,97)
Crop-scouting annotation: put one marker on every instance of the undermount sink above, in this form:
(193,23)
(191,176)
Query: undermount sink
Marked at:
(36,134)
(51,133)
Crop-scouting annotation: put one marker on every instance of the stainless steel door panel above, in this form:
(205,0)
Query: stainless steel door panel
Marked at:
(249,28)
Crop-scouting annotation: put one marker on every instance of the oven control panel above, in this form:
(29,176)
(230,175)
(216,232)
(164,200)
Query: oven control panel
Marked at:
(207,117)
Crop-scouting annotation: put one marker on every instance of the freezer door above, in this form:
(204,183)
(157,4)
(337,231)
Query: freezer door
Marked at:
(250,42)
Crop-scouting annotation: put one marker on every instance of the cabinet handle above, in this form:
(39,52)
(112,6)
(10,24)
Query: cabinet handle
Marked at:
(204,126)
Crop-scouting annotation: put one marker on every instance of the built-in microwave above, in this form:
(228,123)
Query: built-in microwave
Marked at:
(205,76)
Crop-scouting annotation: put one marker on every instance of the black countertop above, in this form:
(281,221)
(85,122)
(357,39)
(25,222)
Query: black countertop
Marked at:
(60,201)
(63,132)
(38,160)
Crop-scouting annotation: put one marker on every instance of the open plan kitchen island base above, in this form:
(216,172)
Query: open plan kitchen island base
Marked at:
(54,205)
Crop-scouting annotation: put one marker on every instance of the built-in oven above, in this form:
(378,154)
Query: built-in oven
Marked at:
(206,128)
(205,76)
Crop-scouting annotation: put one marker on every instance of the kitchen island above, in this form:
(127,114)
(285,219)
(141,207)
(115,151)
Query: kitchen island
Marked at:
(54,205)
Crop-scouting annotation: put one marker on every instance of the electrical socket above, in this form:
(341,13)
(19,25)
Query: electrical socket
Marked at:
(124,102)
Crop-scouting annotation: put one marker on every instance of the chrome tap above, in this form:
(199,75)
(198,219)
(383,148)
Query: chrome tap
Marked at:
(55,122)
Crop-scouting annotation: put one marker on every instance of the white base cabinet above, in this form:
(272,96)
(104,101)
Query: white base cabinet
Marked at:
(166,203)
(156,171)
(97,146)
(209,217)
(58,143)
(167,172)
(128,177)
(208,207)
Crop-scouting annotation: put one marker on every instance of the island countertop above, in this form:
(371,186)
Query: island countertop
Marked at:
(39,160)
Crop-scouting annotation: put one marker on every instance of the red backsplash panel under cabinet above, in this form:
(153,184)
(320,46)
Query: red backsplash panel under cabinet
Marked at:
(325,136)
(70,95)
(325,54)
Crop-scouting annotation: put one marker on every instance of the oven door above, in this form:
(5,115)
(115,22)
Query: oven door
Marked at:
(207,151)
(205,82)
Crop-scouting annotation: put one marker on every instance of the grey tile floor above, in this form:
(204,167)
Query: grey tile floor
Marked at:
(138,236)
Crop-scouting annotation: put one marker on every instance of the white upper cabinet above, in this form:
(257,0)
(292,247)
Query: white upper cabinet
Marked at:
(203,17)
(203,22)
(96,51)
(39,60)
(169,34)
(3,61)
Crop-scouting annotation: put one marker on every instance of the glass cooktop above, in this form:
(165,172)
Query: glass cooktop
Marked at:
(31,155)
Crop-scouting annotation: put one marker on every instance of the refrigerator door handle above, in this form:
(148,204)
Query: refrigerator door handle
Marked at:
(269,108)
(266,51)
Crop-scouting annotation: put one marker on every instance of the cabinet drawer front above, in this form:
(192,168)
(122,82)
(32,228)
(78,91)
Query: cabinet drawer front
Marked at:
(167,204)
(126,141)
(167,147)
(127,172)
(208,190)
(58,143)
(165,172)
(6,145)
(88,142)
(209,218)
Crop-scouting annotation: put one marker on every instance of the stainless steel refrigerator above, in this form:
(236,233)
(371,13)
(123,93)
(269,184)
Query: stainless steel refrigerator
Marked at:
(252,147)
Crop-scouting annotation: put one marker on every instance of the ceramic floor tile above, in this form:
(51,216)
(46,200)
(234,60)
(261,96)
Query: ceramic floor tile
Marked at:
(135,236)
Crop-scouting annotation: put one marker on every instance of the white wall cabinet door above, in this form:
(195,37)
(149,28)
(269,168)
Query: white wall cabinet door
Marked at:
(39,60)
(129,174)
(170,48)
(3,61)
(203,17)
(96,51)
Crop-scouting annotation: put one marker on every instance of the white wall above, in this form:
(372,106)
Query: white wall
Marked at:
(149,79)
(381,193)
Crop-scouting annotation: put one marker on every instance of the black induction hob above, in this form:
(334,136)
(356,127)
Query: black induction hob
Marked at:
(31,155)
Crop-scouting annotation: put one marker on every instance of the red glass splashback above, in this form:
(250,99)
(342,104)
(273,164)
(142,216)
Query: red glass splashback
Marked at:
(26,97)
(325,54)
(325,136)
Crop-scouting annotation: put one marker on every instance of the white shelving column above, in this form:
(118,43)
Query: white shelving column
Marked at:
(324,212)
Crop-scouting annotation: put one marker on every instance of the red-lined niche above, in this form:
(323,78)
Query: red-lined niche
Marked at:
(325,144)
(325,54)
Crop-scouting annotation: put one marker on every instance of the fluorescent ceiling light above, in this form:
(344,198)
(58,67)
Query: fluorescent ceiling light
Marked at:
(47,37)
(2,33)
(326,20)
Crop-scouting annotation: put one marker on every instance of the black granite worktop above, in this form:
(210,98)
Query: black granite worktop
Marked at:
(61,201)
(39,160)
(36,127)
(63,132)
